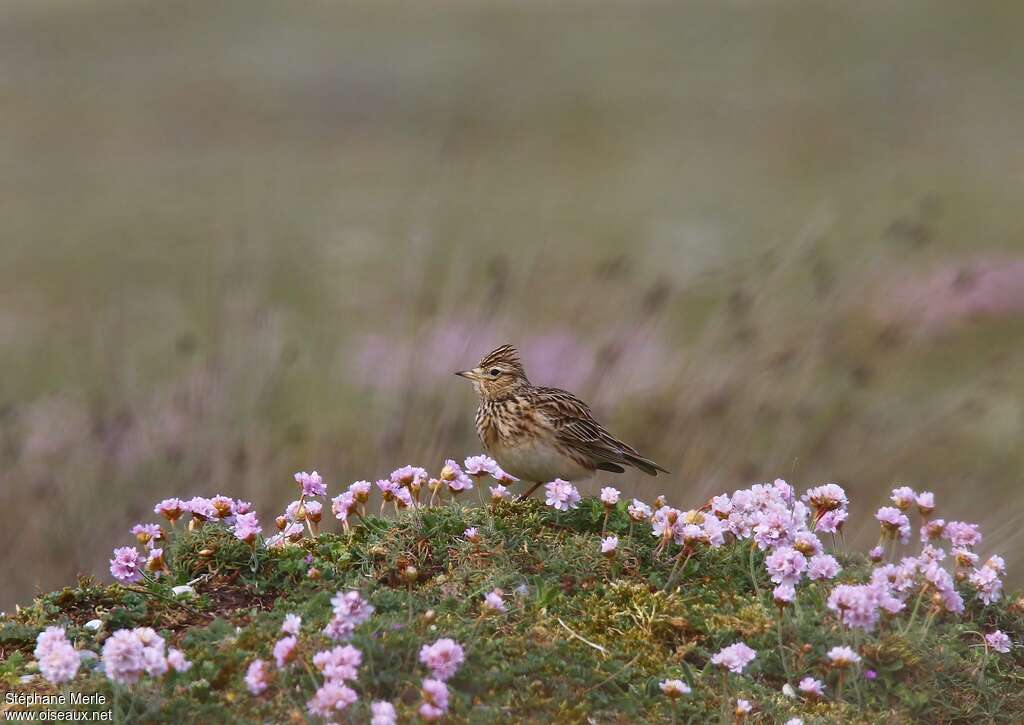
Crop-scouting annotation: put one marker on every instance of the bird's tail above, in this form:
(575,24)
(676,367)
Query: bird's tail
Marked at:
(644,464)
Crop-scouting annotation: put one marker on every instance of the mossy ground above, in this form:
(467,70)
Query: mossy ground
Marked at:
(585,637)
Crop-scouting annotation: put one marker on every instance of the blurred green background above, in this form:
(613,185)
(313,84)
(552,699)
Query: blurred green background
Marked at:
(238,239)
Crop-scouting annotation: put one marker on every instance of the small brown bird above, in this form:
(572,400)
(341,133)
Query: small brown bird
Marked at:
(540,434)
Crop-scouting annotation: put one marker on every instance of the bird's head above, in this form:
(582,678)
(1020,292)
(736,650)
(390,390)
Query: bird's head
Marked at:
(500,373)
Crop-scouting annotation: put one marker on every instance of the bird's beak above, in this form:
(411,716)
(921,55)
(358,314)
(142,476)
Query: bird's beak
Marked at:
(467,374)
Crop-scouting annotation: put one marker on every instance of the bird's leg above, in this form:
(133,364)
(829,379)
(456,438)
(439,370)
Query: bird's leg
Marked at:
(533,488)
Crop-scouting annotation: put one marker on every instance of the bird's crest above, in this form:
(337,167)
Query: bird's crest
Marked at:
(506,355)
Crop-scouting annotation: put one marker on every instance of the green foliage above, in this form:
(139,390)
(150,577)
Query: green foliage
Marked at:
(585,637)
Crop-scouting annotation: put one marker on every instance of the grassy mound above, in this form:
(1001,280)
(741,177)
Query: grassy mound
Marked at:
(585,636)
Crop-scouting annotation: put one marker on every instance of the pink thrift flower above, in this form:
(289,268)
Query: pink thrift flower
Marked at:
(827,497)
(201,508)
(360,491)
(257,677)
(146,534)
(784,594)
(925,503)
(247,527)
(311,483)
(291,624)
(170,508)
(904,497)
(57,658)
(876,554)
(472,534)
(831,521)
(342,505)
(123,657)
(443,657)
(494,602)
(284,650)
(561,495)
(223,506)
(639,511)
(609,545)
(454,477)
(743,707)
(610,496)
(498,492)
(894,523)
(999,641)
(823,566)
(674,688)
(383,714)
(735,657)
(811,687)
(435,699)
(480,466)
(786,565)
(340,663)
(176,660)
(962,535)
(409,476)
(842,657)
(125,566)
(332,697)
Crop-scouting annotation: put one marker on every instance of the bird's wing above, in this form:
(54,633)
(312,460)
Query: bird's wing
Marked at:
(576,428)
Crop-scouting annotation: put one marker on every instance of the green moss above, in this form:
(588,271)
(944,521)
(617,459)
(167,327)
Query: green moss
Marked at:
(585,637)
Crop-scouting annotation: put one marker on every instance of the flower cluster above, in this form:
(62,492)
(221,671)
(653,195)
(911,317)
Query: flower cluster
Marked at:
(58,659)
(561,495)
(339,666)
(735,657)
(128,654)
(349,611)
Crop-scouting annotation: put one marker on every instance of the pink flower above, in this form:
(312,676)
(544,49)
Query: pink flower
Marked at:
(284,650)
(610,496)
(125,566)
(455,478)
(333,696)
(498,492)
(986,581)
(435,699)
(925,502)
(57,658)
(404,499)
(340,663)
(311,483)
(201,508)
(561,495)
(674,688)
(876,554)
(257,677)
(383,714)
(827,497)
(350,610)
(291,624)
(609,544)
(388,489)
(247,527)
(784,594)
(894,523)
(999,641)
(224,506)
(409,476)
(831,521)
(146,534)
(962,535)
(494,602)
(743,707)
(123,657)
(443,657)
(170,508)
(904,497)
(176,660)
(360,491)
(811,687)
(842,657)
(786,565)
(480,465)
(735,657)
(342,505)
(472,534)
(856,605)
(155,562)
(823,566)
(639,511)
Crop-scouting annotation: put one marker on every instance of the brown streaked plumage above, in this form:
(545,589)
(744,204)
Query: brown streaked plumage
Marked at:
(539,434)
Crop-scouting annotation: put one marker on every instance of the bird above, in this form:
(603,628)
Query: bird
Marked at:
(538,434)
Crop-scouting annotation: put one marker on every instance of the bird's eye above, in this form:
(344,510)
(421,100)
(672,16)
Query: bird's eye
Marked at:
(494,372)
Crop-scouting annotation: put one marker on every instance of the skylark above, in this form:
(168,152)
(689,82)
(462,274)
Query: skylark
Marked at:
(540,434)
